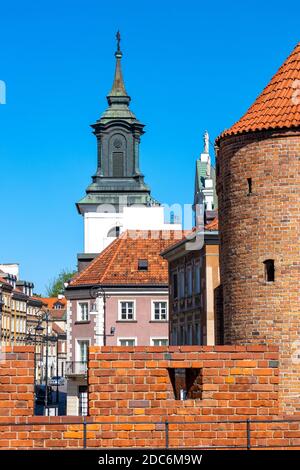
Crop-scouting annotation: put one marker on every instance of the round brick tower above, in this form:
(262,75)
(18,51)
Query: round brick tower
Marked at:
(258,185)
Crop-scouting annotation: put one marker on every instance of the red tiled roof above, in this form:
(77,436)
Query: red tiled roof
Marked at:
(213,225)
(118,263)
(51,301)
(4,281)
(278,106)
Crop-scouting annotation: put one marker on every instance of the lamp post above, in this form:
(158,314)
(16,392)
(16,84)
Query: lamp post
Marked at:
(99,292)
(47,357)
(57,368)
(37,330)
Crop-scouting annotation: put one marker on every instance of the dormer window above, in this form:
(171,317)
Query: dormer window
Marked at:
(143,265)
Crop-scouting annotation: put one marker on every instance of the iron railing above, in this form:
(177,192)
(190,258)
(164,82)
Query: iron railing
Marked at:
(165,427)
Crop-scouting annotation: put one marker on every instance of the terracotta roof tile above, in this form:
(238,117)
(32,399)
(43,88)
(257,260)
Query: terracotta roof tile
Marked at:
(118,263)
(51,301)
(278,106)
(213,225)
(4,281)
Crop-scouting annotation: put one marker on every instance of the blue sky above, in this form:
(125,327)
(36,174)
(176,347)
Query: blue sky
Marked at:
(188,65)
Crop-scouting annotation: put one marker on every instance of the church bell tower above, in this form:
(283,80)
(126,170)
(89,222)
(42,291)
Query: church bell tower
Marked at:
(118,184)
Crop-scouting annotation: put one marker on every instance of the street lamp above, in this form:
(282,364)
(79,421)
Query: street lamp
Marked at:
(99,292)
(41,339)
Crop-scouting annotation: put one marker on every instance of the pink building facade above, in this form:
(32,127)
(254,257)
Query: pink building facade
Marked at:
(120,299)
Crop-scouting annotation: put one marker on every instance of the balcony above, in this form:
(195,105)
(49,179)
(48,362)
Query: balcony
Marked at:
(76,368)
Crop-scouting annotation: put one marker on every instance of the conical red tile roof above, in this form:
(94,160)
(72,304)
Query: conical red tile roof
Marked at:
(278,106)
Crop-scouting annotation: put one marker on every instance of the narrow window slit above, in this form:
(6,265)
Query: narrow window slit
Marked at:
(269,270)
(249,180)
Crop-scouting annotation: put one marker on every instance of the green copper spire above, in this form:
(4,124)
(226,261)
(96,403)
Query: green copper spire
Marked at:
(118,180)
(118,99)
(118,88)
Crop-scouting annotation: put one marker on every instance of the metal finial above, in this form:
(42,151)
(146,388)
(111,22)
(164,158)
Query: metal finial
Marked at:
(118,37)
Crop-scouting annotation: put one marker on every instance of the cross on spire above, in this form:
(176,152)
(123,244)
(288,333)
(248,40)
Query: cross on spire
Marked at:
(118,37)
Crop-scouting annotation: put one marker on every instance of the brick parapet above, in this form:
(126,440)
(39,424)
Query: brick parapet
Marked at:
(235,381)
(139,421)
(16,381)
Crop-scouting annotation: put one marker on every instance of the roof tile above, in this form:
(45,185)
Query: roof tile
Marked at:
(278,106)
(118,263)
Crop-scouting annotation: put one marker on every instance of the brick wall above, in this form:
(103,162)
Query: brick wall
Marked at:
(253,228)
(131,397)
(236,381)
(67,433)
(135,385)
(17,381)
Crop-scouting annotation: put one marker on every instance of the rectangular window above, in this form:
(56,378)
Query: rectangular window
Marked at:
(83,347)
(126,310)
(83,311)
(159,341)
(197,279)
(197,333)
(190,334)
(159,311)
(182,340)
(126,341)
(174,336)
(181,284)
(175,285)
(189,281)
(143,265)
(83,400)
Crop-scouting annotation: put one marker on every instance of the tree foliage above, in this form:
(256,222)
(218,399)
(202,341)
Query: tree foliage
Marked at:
(56,286)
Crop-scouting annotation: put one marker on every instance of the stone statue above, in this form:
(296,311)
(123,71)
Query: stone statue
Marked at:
(206,142)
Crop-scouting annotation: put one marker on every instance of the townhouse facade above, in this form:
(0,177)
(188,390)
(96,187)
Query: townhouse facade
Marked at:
(57,310)
(28,319)
(193,280)
(19,310)
(120,299)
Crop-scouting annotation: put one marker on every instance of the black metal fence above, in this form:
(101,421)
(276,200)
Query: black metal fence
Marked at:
(249,429)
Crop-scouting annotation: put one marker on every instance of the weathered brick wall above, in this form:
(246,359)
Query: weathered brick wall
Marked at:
(17,381)
(131,397)
(256,227)
(236,381)
(67,433)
